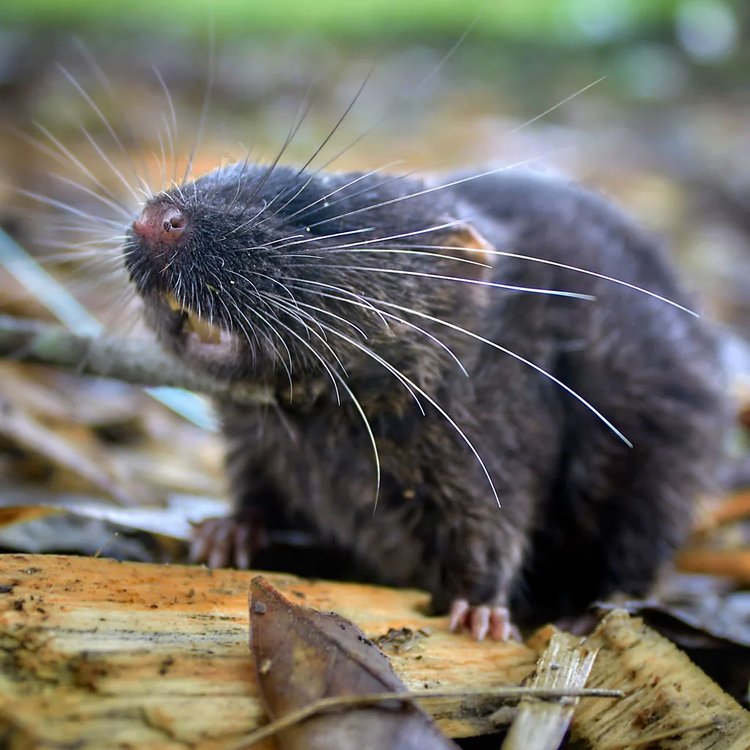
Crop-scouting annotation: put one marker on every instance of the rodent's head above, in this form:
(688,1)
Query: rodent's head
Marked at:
(248,272)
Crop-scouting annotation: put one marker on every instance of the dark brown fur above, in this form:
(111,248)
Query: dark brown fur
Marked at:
(583,515)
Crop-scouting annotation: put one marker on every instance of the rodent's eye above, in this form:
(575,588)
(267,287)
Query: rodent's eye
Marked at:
(160,224)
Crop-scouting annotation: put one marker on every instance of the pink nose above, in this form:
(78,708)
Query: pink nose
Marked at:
(160,224)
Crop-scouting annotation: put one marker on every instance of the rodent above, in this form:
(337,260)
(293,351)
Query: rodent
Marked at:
(304,281)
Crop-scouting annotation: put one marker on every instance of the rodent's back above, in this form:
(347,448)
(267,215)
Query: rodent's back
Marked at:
(650,367)
(376,291)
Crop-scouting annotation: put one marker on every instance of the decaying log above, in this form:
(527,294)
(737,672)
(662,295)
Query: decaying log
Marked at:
(96,653)
(541,725)
(669,703)
(100,654)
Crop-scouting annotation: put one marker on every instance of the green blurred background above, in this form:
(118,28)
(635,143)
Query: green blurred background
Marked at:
(666,132)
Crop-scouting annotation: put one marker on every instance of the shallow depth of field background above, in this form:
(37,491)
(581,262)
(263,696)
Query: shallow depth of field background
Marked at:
(665,133)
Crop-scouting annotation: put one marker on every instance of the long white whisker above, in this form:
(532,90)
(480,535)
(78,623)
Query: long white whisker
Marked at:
(97,196)
(115,241)
(329,370)
(396,318)
(206,99)
(46,200)
(241,181)
(388,114)
(271,243)
(334,129)
(577,269)
(412,386)
(269,325)
(370,435)
(171,132)
(324,198)
(462,280)
(302,112)
(97,110)
(94,106)
(65,151)
(555,106)
(264,276)
(298,315)
(93,64)
(287,368)
(400,375)
(357,406)
(397,251)
(323,237)
(315,308)
(429,190)
(330,135)
(341,290)
(77,255)
(162,159)
(401,235)
(387,181)
(120,176)
(516,356)
(513,130)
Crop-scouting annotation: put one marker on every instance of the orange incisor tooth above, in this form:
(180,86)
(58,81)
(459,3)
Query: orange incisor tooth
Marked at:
(206,332)
(172,302)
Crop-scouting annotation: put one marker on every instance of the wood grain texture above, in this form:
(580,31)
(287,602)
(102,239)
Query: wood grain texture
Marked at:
(669,703)
(101,654)
(541,725)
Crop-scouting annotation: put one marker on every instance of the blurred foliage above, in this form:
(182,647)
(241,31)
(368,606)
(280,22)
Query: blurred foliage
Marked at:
(566,19)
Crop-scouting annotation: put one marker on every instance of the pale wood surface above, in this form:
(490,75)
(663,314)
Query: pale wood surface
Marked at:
(100,654)
(669,703)
(541,725)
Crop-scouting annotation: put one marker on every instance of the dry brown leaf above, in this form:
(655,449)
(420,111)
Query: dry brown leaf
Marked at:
(23,513)
(733,563)
(732,508)
(93,465)
(303,656)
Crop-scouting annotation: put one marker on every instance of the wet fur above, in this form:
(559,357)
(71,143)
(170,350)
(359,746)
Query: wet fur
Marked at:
(583,515)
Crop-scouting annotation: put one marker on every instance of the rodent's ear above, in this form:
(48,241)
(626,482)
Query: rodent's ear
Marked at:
(464,242)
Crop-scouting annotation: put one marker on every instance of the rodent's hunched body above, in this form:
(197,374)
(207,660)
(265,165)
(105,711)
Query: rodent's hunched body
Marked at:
(356,288)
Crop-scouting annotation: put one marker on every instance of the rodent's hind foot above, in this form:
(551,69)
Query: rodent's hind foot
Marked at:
(222,543)
(481,620)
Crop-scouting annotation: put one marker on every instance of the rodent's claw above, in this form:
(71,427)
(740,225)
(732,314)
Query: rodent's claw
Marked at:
(242,546)
(221,542)
(458,613)
(199,544)
(479,622)
(202,547)
(501,626)
(482,620)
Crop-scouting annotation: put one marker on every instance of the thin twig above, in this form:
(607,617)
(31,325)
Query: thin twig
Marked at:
(337,703)
(129,360)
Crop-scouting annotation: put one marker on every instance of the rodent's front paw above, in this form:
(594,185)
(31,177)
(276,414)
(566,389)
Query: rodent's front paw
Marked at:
(482,619)
(222,543)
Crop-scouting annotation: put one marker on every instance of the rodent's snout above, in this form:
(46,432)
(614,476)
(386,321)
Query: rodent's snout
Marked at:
(160,224)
